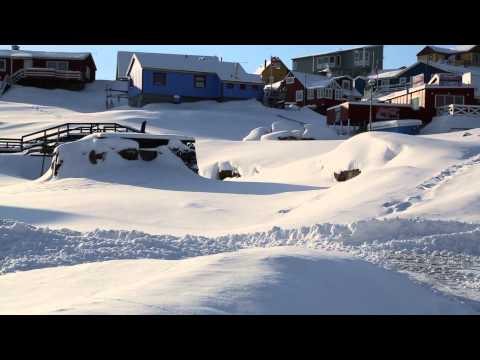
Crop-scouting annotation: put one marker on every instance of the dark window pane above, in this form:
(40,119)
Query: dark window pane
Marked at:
(199,81)
(159,78)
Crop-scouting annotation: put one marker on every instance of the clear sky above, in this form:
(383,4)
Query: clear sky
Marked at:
(250,56)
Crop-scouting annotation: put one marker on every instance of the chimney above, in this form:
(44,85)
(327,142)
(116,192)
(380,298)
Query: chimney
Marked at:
(15,47)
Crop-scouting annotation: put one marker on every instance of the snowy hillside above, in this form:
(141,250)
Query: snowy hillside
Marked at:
(414,208)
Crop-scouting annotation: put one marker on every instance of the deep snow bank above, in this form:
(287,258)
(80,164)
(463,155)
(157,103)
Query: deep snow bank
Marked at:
(447,123)
(255,281)
(112,157)
(26,247)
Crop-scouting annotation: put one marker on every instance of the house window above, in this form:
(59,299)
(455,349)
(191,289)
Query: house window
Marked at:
(346,84)
(338,94)
(367,57)
(443,100)
(320,93)
(229,86)
(57,65)
(476,59)
(242,87)
(402,81)
(299,95)
(328,93)
(384,83)
(289,80)
(3,65)
(294,66)
(159,78)
(310,94)
(339,60)
(199,81)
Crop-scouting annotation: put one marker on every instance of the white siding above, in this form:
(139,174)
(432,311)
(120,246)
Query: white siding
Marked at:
(136,74)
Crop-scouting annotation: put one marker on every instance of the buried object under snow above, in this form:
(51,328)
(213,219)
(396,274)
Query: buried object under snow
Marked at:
(346,174)
(102,155)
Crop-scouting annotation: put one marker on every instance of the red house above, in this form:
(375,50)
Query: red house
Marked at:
(46,69)
(442,90)
(317,91)
(357,113)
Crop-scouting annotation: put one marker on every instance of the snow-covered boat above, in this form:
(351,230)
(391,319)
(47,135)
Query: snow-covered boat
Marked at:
(404,126)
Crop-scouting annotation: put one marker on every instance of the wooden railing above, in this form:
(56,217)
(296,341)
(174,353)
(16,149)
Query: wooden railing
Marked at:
(456,109)
(46,73)
(51,137)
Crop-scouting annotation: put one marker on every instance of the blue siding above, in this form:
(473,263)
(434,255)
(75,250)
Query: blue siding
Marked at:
(181,84)
(359,84)
(422,68)
(248,93)
(178,83)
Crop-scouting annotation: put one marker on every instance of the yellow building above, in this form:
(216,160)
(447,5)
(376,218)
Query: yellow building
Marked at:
(468,56)
(273,71)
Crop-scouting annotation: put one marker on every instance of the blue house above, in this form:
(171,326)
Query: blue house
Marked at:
(172,77)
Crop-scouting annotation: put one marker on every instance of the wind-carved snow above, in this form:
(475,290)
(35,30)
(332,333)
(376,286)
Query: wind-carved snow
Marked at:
(425,190)
(447,253)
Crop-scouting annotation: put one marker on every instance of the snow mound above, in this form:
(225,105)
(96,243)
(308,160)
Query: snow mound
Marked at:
(447,123)
(286,125)
(26,247)
(283,134)
(110,158)
(255,281)
(256,134)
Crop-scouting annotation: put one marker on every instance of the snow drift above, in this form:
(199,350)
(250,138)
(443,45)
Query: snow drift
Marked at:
(255,281)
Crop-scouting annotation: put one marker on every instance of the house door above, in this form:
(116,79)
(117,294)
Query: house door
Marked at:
(87,73)
(27,63)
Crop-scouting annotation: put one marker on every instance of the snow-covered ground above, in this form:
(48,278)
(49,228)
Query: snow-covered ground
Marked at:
(195,226)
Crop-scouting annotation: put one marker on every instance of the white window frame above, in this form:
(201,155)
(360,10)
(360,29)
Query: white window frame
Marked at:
(4,67)
(56,66)
(338,94)
(384,83)
(289,80)
(299,95)
(328,93)
(310,94)
(320,93)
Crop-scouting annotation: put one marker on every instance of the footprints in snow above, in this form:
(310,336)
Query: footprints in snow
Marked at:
(429,185)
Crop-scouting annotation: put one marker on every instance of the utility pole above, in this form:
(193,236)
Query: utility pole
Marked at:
(371,82)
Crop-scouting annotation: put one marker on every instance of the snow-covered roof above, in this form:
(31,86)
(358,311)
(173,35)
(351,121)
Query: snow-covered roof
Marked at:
(455,69)
(448,51)
(312,81)
(274,85)
(442,49)
(386,73)
(334,52)
(44,54)
(123,60)
(226,71)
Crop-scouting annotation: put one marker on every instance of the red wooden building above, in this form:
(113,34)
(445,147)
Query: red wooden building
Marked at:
(47,69)
(357,113)
(439,92)
(317,91)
